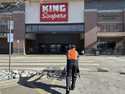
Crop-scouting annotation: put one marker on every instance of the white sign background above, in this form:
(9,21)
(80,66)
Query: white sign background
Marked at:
(10,37)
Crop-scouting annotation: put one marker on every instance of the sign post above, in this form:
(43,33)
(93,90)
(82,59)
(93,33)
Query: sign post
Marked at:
(10,40)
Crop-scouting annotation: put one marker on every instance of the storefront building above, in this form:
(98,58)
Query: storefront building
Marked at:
(44,26)
(51,26)
(105,23)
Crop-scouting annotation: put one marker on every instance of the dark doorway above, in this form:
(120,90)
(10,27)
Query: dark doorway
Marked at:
(53,43)
(4,44)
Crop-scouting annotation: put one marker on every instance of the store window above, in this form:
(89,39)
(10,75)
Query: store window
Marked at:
(34,28)
(110,22)
(28,28)
(3,35)
(3,26)
(110,27)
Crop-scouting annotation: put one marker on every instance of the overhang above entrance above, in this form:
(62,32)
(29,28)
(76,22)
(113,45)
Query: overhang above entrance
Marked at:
(42,28)
(111,34)
(51,0)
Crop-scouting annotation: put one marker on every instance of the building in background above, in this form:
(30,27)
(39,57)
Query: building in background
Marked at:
(10,10)
(51,26)
(105,26)
(42,26)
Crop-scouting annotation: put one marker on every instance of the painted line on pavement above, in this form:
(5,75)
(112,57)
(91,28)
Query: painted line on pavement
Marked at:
(44,64)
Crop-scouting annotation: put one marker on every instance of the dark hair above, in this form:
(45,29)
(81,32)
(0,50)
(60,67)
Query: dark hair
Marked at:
(73,46)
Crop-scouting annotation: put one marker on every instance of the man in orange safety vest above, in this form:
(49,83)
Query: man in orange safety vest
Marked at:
(72,68)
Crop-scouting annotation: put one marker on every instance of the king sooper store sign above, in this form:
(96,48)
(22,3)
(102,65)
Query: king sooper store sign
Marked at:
(53,12)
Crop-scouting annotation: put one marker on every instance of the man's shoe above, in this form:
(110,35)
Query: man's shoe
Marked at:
(67,91)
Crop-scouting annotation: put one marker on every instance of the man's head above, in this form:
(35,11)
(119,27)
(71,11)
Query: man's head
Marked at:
(73,46)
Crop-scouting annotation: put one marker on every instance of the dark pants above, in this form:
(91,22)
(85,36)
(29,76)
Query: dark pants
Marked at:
(72,70)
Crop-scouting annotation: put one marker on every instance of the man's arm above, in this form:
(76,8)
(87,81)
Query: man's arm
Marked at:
(78,71)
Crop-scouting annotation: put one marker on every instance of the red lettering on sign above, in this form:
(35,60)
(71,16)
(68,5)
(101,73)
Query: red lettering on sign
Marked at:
(53,12)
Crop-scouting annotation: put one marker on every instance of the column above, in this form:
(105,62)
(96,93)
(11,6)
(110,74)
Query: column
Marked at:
(90,28)
(19,32)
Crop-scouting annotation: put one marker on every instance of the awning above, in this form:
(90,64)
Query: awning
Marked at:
(76,27)
(47,0)
(11,1)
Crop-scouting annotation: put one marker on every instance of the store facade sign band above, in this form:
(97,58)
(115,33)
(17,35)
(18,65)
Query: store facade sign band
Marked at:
(53,12)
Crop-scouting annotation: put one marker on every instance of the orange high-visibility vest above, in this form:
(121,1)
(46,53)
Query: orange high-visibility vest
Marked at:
(72,54)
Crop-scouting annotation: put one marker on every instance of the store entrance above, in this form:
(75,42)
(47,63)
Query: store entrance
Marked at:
(106,46)
(53,43)
(53,48)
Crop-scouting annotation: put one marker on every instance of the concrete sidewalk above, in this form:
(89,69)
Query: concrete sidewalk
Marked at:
(89,83)
(87,63)
(107,79)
